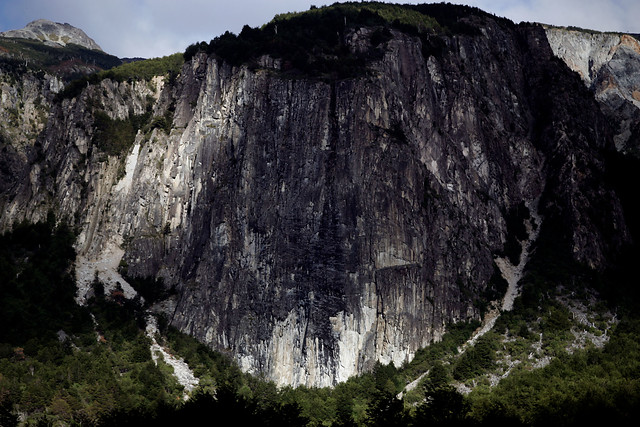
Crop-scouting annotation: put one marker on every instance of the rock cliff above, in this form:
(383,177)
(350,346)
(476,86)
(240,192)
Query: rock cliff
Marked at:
(312,226)
(609,64)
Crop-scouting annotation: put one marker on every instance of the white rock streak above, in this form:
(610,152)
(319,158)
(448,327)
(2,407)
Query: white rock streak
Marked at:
(105,266)
(124,185)
(512,274)
(181,370)
(413,384)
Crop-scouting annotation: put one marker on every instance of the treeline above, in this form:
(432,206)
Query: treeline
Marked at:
(58,366)
(136,70)
(589,387)
(312,42)
(35,282)
(37,56)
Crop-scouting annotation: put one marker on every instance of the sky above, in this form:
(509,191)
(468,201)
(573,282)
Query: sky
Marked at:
(154,28)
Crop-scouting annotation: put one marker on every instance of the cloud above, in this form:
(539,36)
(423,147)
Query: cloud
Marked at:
(601,15)
(147,27)
(151,28)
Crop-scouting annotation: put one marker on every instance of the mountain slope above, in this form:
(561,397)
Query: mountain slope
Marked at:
(53,34)
(313,222)
(56,49)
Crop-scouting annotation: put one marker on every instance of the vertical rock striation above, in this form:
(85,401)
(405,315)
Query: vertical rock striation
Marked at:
(312,227)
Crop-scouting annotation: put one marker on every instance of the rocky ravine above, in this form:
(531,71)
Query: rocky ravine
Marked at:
(313,227)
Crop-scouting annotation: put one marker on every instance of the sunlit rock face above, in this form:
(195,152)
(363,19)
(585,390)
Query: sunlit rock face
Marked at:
(609,65)
(53,34)
(312,227)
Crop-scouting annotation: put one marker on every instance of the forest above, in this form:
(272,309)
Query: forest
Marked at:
(567,354)
(92,365)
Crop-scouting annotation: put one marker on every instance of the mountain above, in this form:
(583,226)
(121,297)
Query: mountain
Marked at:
(343,186)
(53,34)
(60,50)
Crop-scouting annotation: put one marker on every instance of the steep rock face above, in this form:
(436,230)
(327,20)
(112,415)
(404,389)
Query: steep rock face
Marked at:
(312,227)
(25,102)
(53,34)
(609,65)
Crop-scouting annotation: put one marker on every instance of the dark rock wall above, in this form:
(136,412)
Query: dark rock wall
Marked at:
(313,227)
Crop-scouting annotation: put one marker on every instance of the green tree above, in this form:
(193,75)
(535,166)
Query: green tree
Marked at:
(385,409)
(443,406)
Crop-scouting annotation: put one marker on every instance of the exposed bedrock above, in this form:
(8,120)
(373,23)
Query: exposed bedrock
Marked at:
(313,227)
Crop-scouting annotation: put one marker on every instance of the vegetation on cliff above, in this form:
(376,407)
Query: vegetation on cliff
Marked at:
(63,363)
(138,70)
(313,42)
(70,62)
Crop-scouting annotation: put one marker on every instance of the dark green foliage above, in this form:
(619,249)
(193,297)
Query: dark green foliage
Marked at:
(438,377)
(386,410)
(344,409)
(77,378)
(113,136)
(386,378)
(116,136)
(7,417)
(22,55)
(456,335)
(36,285)
(312,42)
(524,332)
(146,69)
(164,122)
(218,369)
(594,386)
(138,70)
(476,359)
(226,407)
(444,406)
(75,87)
(556,319)
(453,19)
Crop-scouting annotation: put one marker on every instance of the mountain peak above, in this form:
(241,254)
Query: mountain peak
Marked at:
(53,34)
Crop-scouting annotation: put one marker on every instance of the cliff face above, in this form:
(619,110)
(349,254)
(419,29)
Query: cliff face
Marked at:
(25,102)
(313,227)
(609,64)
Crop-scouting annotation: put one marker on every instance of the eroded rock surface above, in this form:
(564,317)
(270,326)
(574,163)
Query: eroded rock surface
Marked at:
(312,227)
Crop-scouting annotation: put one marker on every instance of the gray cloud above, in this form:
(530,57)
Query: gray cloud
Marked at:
(601,15)
(147,28)
(150,28)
